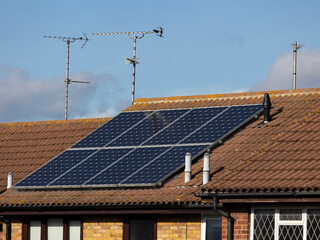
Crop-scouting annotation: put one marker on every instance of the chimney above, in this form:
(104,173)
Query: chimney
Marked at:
(266,106)
(10,180)
(187,170)
(206,168)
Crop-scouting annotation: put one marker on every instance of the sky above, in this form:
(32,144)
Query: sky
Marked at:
(209,47)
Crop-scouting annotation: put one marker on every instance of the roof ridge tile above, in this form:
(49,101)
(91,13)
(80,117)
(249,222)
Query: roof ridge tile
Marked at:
(223,96)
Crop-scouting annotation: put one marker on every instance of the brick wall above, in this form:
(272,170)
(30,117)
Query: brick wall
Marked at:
(241,224)
(107,228)
(16,230)
(169,227)
(179,227)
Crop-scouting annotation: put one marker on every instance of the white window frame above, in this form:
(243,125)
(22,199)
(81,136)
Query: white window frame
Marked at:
(278,222)
(204,219)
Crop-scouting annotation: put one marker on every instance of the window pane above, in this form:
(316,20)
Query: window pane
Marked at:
(313,224)
(290,232)
(291,214)
(74,230)
(141,229)
(35,230)
(264,223)
(55,229)
(213,229)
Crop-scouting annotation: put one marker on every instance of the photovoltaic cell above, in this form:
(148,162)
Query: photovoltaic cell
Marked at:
(184,126)
(164,165)
(112,129)
(44,175)
(126,166)
(92,166)
(148,127)
(128,147)
(222,124)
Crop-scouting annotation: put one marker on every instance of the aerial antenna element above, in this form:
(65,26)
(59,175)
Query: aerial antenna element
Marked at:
(68,81)
(134,60)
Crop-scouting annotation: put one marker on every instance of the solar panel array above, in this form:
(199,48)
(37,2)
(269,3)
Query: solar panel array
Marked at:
(139,148)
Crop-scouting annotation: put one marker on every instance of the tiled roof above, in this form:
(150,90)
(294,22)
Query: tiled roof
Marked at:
(25,146)
(282,155)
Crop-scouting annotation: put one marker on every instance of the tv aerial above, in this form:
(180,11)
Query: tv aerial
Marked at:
(134,60)
(68,81)
(296,46)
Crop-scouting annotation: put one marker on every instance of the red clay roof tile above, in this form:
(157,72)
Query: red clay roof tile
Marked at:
(25,146)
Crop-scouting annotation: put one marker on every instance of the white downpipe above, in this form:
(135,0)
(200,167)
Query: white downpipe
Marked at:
(206,168)
(187,170)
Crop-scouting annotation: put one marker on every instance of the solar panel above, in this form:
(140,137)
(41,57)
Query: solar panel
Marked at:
(164,165)
(184,126)
(148,127)
(126,166)
(112,129)
(44,175)
(222,124)
(140,148)
(91,167)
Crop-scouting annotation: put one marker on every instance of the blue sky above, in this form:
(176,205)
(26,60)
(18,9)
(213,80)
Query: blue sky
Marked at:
(209,47)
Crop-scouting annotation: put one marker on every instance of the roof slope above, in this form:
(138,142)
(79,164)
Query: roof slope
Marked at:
(282,155)
(25,146)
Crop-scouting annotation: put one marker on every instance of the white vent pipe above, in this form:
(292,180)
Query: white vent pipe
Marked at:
(187,170)
(206,168)
(10,180)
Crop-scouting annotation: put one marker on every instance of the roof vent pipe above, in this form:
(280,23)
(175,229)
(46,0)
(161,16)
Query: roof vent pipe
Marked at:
(206,168)
(266,106)
(187,170)
(10,180)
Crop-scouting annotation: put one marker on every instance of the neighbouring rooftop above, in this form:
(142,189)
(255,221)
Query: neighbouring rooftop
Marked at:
(282,155)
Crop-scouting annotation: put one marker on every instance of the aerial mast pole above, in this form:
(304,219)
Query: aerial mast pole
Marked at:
(134,69)
(68,81)
(134,60)
(296,46)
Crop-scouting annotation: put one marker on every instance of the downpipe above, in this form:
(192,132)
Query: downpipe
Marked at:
(230,220)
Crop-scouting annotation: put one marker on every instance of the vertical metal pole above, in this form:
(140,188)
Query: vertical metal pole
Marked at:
(134,69)
(67,82)
(295,49)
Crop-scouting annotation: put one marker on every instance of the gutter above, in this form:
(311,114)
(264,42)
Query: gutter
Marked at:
(258,195)
(8,227)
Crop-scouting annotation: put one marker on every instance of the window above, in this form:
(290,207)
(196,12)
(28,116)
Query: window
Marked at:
(52,229)
(55,229)
(285,224)
(211,228)
(35,230)
(140,229)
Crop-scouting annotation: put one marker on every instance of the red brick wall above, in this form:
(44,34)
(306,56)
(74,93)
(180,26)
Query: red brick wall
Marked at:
(241,229)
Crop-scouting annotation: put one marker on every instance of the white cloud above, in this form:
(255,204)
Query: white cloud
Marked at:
(26,99)
(280,74)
